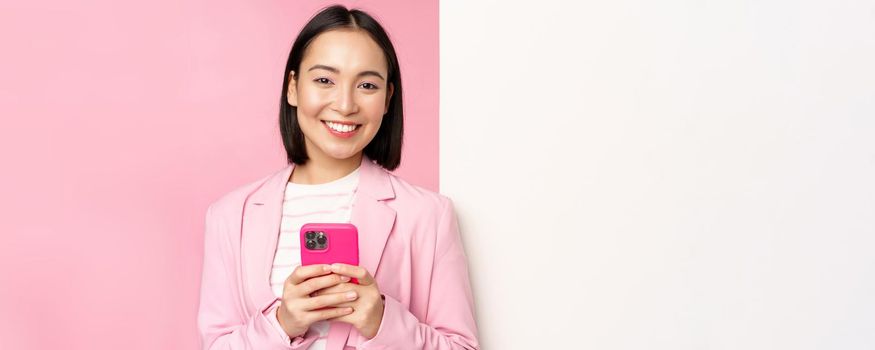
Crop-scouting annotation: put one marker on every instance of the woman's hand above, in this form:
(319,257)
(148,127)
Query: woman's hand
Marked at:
(367,309)
(298,309)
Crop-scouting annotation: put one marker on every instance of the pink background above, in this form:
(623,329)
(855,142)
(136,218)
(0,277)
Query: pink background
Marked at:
(121,123)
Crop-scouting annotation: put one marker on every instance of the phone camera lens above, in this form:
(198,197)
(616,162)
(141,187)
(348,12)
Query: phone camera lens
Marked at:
(321,240)
(311,244)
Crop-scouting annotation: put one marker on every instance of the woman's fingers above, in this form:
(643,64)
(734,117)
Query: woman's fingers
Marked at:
(333,289)
(332,312)
(316,283)
(302,273)
(358,272)
(332,299)
(299,309)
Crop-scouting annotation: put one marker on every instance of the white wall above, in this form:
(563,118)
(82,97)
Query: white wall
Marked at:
(664,175)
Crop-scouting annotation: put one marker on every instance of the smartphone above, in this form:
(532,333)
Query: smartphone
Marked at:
(328,243)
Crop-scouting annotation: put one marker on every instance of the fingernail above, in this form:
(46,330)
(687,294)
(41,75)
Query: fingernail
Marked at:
(326,268)
(350,295)
(344,278)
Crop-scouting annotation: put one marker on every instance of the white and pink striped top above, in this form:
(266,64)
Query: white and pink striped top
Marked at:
(328,202)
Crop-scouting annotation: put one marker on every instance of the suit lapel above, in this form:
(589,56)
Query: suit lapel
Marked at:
(374,220)
(262,214)
(370,214)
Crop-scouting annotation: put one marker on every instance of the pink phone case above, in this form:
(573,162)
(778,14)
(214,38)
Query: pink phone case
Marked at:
(340,245)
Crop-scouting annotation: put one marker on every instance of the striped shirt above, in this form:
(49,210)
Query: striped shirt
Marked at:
(330,202)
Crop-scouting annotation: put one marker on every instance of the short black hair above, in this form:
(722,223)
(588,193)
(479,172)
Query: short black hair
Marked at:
(385,148)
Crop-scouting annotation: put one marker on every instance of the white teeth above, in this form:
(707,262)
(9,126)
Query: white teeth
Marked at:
(340,127)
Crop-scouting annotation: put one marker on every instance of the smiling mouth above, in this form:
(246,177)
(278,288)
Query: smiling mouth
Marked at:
(341,128)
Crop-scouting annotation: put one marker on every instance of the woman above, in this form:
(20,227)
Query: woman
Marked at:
(341,121)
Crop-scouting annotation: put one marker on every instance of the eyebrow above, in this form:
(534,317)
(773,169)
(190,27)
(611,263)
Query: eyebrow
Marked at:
(335,70)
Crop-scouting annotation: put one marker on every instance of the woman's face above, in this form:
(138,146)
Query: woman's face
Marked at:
(341,93)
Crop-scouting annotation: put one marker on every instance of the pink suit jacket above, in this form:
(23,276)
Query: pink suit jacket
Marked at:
(408,240)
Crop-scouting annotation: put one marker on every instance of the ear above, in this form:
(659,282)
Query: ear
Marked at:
(389,93)
(292,94)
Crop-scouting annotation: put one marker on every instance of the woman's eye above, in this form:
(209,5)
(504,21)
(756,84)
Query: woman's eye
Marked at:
(322,80)
(369,86)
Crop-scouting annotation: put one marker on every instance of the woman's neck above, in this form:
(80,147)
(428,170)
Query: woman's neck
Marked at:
(319,170)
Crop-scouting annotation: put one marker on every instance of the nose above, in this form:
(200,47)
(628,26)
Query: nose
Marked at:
(344,102)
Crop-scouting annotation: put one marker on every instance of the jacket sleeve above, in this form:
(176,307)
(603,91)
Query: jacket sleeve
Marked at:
(219,324)
(449,322)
